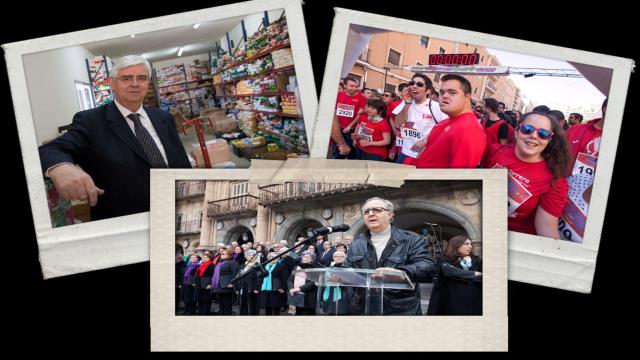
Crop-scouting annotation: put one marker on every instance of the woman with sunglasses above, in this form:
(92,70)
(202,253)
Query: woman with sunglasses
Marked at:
(537,166)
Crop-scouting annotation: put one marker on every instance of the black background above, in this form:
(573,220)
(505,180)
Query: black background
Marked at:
(108,310)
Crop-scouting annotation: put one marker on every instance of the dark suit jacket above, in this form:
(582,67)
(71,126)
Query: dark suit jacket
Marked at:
(102,143)
(328,258)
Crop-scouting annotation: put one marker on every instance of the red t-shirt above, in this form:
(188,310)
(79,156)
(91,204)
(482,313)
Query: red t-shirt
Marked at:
(457,142)
(347,107)
(372,132)
(584,138)
(493,136)
(530,185)
(392,105)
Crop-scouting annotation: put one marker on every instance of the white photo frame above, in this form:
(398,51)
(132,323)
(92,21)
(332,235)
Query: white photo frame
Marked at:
(122,240)
(533,259)
(482,333)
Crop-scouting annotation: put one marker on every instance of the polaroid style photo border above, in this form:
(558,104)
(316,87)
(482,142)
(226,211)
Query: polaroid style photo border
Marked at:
(533,259)
(488,332)
(123,240)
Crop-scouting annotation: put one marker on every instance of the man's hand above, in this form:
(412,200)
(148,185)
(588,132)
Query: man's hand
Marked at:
(407,96)
(344,149)
(74,184)
(389,277)
(419,145)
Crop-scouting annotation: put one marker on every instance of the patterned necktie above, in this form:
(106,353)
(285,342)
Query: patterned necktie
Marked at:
(147,143)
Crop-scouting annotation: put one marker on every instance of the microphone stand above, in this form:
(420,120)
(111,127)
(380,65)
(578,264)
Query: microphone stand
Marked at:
(261,265)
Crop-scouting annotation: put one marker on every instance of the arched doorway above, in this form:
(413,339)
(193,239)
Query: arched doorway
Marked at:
(240,234)
(298,226)
(426,217)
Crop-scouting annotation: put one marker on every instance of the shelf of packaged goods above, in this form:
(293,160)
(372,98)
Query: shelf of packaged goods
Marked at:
(247,95)
(254,57)
(269,72)
(274,113)
(187,82)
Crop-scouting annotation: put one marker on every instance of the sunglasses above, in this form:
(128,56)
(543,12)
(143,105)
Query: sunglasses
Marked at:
(386,95)
(416,83)
(375,210)
(527,129)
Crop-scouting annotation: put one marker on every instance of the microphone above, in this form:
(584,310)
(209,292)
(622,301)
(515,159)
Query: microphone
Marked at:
(330,229)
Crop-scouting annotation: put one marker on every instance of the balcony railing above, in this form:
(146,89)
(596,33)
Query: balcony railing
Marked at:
(279,193)
(491,86)
(244,204)
(188,227)
(190,189)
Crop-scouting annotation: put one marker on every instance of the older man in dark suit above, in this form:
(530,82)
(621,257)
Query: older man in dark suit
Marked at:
(114,147)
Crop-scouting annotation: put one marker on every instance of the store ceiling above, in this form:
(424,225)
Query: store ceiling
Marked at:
(164,44)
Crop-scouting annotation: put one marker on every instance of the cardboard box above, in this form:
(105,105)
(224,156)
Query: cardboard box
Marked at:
(220,123)
(180,122)
(224,125)
(218,151)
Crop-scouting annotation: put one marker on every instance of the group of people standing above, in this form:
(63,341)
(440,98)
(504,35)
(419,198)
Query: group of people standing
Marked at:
(551,162)
(284,279)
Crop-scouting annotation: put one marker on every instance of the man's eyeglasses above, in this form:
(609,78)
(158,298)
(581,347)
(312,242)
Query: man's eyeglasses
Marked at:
(375,210)
(129,78)
(386,95)
(527,129)
(416,83)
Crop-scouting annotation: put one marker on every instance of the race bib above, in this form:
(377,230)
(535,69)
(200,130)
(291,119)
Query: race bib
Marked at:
(345,110)
(574,217)
(585,165)
(399,141)
(409,133)
(365,133)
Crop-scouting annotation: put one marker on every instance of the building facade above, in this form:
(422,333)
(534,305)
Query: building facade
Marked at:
(241,211)
(380,66)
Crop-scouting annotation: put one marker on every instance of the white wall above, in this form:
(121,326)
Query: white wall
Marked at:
(182,60)
(51,77)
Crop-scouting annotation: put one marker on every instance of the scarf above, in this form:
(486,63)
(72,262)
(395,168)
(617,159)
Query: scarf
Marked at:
(187,272)
(375,119)
(216,274)
(466,264)
(337,293)
(202,268)
(267,283)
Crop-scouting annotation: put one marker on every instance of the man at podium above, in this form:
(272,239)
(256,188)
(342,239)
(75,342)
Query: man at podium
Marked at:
(386,247)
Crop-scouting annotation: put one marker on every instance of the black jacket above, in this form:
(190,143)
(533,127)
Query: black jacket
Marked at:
(406,251)
(457,291)
(228,270)
(249,283)
(103,145)
(326,259)
(279,277)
